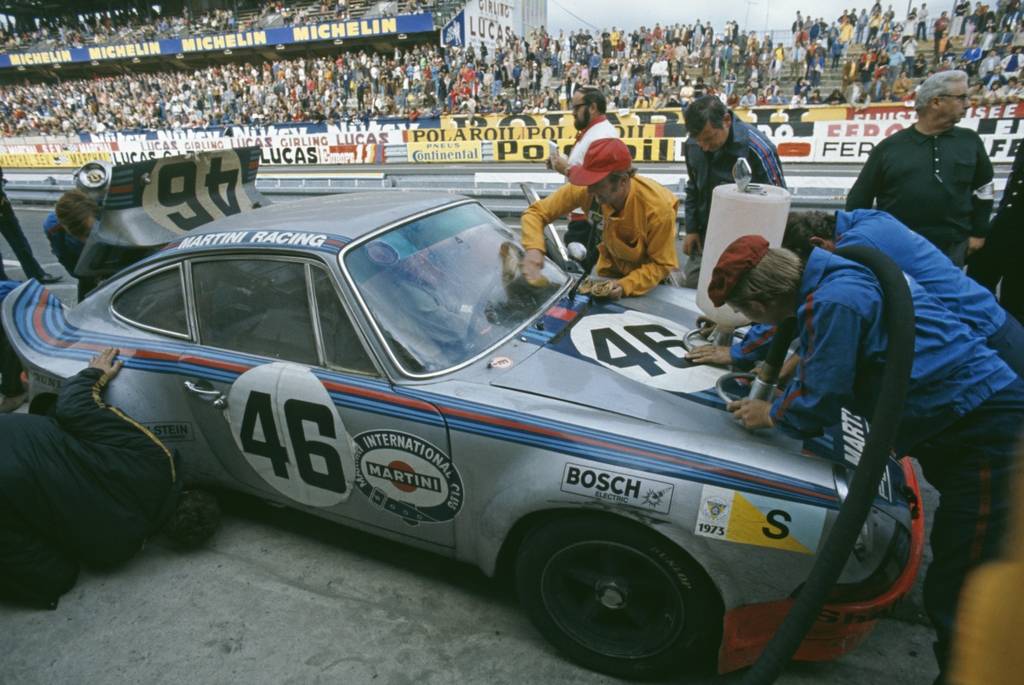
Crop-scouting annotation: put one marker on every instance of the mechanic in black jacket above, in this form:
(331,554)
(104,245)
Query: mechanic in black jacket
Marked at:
(88,485)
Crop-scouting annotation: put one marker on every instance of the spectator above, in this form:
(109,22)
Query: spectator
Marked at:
(942,185)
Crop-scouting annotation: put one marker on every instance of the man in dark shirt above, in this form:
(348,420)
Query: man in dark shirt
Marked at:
(935,177)
(999,260)
(11,231)
(716,140)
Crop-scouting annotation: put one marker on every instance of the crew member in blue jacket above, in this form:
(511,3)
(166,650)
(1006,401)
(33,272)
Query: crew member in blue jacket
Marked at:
(971,303)
(742,354)
(915,255)
(964,406)
(67,228)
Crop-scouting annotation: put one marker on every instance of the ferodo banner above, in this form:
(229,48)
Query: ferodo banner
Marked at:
(450,151)
(485,133)
(853,141)
(642,149)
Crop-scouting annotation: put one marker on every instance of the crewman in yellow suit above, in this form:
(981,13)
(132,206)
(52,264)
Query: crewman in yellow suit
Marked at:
(637,248)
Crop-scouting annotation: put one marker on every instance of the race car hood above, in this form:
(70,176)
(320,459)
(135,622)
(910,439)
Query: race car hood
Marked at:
(553,374)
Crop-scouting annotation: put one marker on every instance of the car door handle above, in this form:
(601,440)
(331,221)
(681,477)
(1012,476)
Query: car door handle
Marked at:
(207,394)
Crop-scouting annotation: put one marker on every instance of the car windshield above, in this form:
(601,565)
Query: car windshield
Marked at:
(446,287)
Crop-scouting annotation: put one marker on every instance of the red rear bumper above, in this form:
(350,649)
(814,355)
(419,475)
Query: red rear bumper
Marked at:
(839,628)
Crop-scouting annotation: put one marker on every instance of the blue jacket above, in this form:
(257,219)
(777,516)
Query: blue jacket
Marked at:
(65,247)
(706,171)
(6,287)
(918,258)
(754,346)
(843,352)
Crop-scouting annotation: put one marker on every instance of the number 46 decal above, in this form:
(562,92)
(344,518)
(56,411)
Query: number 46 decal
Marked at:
(645,348)
(259,409)
(286,427)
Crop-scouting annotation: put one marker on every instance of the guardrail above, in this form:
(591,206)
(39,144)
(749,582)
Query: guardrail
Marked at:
(504,198)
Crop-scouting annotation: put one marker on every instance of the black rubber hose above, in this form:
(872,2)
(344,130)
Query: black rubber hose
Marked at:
(898,314)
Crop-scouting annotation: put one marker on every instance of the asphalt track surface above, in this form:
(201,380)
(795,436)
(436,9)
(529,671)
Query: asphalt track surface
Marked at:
(282,597)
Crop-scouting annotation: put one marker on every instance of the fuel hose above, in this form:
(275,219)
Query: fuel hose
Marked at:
(898,316)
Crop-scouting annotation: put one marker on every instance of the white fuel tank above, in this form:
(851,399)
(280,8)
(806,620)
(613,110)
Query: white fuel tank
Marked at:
(761,210)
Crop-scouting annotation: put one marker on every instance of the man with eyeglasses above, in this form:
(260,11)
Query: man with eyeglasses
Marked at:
(934,176)
(588,116)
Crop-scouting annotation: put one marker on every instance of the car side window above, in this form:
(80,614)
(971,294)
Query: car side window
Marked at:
(342,347)
(155,302)
(257,306)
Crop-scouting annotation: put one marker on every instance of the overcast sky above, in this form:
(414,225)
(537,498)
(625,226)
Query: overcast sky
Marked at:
(780,13)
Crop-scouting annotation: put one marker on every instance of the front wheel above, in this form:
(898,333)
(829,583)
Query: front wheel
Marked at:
(616,598)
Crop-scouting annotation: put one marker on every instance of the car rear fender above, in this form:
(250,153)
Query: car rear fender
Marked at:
(20,311)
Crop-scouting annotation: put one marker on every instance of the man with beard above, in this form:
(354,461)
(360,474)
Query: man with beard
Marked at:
(588,116)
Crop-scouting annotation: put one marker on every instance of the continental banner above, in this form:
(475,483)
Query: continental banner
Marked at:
(445,152)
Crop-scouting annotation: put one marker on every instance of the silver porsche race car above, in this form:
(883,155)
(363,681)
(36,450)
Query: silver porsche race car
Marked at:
(374,359)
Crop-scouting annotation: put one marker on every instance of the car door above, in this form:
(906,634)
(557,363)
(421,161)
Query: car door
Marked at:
(295,409)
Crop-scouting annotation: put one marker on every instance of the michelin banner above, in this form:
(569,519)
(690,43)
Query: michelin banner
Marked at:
(169,47)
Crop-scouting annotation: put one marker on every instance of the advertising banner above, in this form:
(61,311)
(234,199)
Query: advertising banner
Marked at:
(492,133)
(169,47)
(445,152)
(487,20)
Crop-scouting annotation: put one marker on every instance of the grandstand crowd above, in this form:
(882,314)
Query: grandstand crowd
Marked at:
(861,57)
(132,25)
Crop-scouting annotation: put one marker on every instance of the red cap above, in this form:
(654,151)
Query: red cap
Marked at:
(603,157)
(742,255)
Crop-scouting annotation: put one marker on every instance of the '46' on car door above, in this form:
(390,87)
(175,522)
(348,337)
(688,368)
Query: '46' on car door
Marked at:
(305,419)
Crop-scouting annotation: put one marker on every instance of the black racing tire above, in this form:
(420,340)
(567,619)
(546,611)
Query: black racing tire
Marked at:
(617,598)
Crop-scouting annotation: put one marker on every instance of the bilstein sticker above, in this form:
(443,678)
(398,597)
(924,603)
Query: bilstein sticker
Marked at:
(177,431)
(757,520)
(621,488)
(407,476)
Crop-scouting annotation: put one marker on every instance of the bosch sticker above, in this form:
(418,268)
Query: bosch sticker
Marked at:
(621,488)
(645,348)
(407,476)
(757,520)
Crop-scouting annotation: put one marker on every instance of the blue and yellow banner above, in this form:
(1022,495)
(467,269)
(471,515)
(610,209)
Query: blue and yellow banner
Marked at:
(286,35)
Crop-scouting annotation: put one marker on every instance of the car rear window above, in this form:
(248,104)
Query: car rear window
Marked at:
(156,303)
(257,306)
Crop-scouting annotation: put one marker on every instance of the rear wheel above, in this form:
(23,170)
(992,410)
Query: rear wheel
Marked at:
(617,598)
